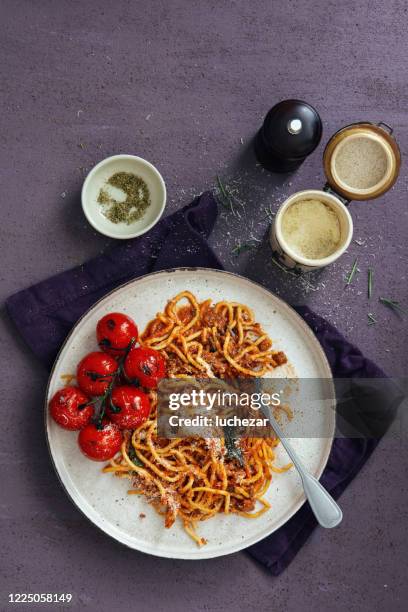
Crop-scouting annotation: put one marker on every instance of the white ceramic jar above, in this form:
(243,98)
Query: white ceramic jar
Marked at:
(283,251)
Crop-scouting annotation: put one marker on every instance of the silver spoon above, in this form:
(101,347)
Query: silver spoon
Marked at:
(325,509)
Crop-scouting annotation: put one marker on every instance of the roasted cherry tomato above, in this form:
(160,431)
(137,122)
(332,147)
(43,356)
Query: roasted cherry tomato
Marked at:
(115,332)
(146,366)
(128,407)
(100,444)
(95,371)
(69,408)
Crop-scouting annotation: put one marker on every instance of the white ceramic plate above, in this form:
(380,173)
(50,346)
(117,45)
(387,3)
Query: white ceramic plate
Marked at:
(103,498)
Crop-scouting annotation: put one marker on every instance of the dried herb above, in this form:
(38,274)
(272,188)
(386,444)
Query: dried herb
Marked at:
(107,396)
(135,204)
(371,319)
(285,270)
(352,273)
(296,273)
(243,246)
(370,283)
(233,451)
(394,305)
(225,198)
(222,188)
(270,213)
(134,458)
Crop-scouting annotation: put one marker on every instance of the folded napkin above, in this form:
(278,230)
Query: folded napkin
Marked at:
(45,313)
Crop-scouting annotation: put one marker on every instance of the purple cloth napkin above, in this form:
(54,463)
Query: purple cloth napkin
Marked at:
(46,312)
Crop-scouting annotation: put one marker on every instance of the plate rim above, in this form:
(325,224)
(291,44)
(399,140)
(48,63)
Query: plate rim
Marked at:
(174,554)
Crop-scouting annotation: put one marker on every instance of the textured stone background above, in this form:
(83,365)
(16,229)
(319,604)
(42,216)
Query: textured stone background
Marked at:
(186,84)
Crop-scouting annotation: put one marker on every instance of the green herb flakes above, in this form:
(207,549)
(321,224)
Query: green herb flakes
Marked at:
(133,207)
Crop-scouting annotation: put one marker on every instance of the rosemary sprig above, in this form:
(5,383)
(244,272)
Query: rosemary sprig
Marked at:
(134,458)
(270,214)
(91,402)
(370,283)
(352,272)
(371,319)
(393,304)
(106,397)
(228,199)
(296,274)
(233,451)
(243,246)
(285,270)
(225,200)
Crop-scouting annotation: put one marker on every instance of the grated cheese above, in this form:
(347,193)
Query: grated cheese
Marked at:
(311,229)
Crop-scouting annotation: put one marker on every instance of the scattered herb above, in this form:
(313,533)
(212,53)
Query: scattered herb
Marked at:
(352,273)
(254,238)
(371,319)
(225,198)
(134,458)
(370,283)
(285,270)
(243,246)
(135,204)
(393,305)
(228,199)
(269,213)
(233,451)
(296,273)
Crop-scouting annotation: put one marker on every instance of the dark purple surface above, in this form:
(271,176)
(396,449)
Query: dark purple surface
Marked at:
(181,83)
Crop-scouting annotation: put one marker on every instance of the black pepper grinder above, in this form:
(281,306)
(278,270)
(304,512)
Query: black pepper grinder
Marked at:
(290,132)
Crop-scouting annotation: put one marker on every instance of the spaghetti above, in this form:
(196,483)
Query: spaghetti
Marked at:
(197,478)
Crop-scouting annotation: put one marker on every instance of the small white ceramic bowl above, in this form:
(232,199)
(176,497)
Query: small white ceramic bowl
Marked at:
(97,178)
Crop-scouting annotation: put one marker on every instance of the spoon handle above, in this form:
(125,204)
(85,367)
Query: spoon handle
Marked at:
(325,509)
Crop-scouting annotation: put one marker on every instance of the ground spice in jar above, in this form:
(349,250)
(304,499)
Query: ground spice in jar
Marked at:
(135,204)
(361,163)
